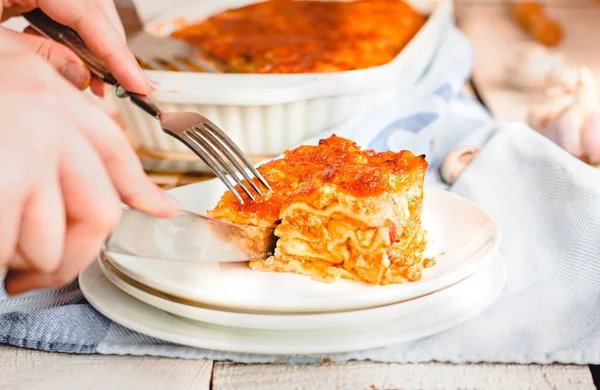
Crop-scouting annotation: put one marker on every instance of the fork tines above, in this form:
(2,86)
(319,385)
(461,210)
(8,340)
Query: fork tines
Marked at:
(223,156)
(180,64)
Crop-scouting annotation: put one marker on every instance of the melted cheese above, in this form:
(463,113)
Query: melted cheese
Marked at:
(380,210)
(342,212)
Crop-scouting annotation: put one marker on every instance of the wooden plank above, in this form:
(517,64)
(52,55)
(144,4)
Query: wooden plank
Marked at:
(495,36)
(368,375)
(27,369)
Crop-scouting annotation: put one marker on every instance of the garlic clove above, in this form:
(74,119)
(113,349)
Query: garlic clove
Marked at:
(587,96)
(590,137)
(551,130)
(556,92)
(456,161)
(541,114)
(566,129)
(531,65)
(587,77)
(565,77)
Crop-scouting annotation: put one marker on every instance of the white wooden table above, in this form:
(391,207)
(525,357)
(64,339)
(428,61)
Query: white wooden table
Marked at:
(24,369)
(489,30)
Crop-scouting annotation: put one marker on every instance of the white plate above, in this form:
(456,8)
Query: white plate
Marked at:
(143,318)
(479,283)
(461,236)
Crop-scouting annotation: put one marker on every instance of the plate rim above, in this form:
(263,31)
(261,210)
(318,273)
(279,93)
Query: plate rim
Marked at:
(332,304)
(275,348)
(274,321)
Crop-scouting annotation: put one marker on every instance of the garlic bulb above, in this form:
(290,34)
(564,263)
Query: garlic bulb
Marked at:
(590,137)
(555,101)
(565,76)
(575,127)
(532,65)
(456,161)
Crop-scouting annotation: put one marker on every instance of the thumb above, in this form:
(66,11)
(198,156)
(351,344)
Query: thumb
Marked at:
(59,56)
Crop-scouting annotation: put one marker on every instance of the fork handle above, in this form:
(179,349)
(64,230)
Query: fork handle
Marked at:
(141,101)
(43,24)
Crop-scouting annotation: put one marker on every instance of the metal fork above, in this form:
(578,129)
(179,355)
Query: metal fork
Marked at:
(175,55)
(164,52)
(199,134)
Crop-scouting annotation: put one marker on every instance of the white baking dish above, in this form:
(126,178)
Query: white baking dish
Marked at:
(268,113)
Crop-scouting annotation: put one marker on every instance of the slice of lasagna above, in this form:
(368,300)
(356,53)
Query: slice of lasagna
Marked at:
(340,213)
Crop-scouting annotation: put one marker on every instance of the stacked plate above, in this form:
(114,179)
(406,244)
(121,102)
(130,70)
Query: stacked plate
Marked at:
(226,306)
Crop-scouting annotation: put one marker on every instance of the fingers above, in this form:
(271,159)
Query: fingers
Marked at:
(126,171)
(122,164)
(98,87)
(19,263)
(15,184)
(90,19)
(42,228)
(10,221)
(111,12)
(60,57)
(96,167)
(92,211)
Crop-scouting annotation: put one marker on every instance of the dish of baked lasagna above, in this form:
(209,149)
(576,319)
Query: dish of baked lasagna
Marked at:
(341,213)
(306,36)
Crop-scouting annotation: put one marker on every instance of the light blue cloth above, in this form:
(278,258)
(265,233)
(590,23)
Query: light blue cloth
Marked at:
(546,202)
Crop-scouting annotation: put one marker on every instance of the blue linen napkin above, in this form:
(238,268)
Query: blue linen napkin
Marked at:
(546,202)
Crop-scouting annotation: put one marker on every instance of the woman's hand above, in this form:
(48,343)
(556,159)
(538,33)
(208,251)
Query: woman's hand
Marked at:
(64,168)
(99,25)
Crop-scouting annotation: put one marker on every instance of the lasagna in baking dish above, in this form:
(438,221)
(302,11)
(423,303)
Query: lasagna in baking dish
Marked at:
(292,36)
(340,212)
